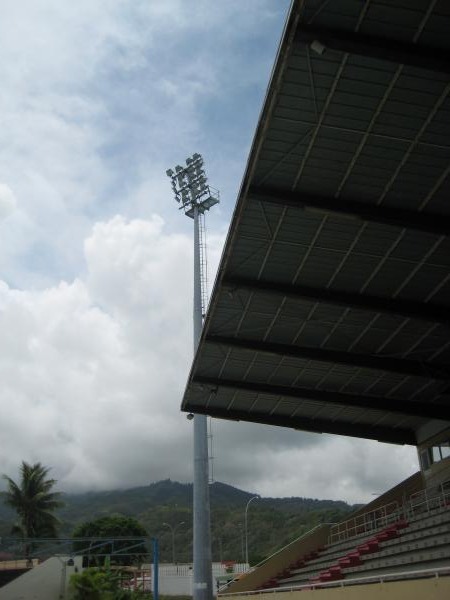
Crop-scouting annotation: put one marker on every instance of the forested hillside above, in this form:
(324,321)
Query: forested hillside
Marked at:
(272,522)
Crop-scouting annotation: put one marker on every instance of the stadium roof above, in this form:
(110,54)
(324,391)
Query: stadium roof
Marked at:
(330,312)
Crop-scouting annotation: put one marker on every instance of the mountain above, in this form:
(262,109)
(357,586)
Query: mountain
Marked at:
(272,522)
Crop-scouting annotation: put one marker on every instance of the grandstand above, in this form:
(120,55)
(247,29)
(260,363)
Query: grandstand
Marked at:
(330,312)
(396,540)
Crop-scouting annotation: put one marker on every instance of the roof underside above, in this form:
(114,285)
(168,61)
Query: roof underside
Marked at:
(330,312)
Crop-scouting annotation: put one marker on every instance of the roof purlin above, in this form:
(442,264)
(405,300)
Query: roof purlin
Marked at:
(375,432)
(369,361)
(393,217)
(408,309)
(393,405)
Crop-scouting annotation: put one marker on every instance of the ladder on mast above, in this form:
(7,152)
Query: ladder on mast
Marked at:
(203,263)
(204,294)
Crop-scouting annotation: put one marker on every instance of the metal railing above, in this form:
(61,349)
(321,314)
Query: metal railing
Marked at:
(428,499)
(366,522)
(418,573)
(383,516)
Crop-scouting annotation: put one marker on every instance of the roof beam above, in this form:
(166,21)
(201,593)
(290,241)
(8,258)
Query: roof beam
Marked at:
(396,217)
(373,432)
(427,410)
(411,310)
(378,47)
(365,361)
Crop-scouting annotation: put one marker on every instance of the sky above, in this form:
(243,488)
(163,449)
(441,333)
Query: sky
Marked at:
(98,98)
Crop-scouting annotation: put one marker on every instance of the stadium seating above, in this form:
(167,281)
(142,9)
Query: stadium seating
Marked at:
(399,539)
(423,542)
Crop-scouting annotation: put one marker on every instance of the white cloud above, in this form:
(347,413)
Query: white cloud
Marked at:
(275,462)
(8,201)
(93,370)
(99,98)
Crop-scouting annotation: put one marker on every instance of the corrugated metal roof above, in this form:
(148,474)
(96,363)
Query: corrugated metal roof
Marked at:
(331,308)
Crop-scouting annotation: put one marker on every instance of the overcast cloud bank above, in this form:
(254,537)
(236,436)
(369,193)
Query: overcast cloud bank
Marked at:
(93,372)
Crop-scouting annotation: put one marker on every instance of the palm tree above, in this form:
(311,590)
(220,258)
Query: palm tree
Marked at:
(33,501)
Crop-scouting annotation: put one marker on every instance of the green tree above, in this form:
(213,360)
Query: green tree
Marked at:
(101,584)
(104,536)
(34,502)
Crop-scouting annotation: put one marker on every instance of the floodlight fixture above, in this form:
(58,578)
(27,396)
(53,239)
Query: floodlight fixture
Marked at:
(318,47)
(190,186)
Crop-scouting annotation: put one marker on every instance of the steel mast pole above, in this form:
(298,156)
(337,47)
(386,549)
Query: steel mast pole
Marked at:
(195,197)
(202,583)
(197,307)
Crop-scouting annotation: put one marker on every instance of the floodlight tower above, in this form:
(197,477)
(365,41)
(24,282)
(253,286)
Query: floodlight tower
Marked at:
(195,197)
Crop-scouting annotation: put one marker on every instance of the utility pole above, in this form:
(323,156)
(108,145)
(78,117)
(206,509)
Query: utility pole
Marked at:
(195,197)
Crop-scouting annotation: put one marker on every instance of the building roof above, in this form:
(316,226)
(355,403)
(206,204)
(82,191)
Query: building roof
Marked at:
(330,312)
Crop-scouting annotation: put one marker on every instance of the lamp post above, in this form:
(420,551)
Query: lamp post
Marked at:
(246,527)
(173,529)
